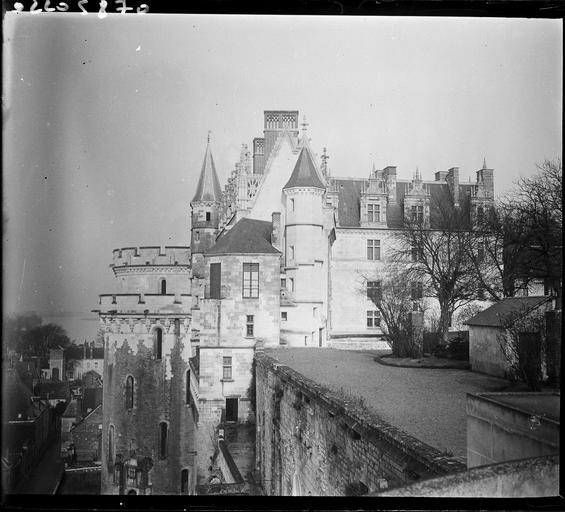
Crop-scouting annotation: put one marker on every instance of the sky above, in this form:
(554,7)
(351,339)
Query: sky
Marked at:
(106,121)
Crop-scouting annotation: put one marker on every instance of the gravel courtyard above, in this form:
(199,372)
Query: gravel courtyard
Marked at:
(426,403)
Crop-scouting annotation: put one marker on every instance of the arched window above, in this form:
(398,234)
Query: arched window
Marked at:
(184,481)
(111,444)
(163,286)
(163,438)
(158,343)
(187,399)
(129,392)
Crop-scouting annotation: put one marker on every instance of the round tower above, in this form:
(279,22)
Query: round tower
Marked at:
(150,401)
(306,254)
(205,216)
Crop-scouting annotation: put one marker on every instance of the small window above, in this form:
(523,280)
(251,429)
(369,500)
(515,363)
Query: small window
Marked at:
(249,326)
(196,236)
(314,311)
(184,481)
(111,444)
(417,290)
(284,316)
(291,249)
(283,283)
(373,249)
(208,216)
(374,291)
(227,365)
(374,212)
(417,214)
(292,205)
(163,286)
(158,343)
(250,280)
(373,319)
(129,392)
(187,388)
(163,439)
(480,251)
(291,284)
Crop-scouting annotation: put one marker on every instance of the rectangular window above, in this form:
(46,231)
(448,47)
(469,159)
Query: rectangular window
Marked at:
(292,205)
(196,236)
(374,291)
(291,284)
(314,311)
(417,290)
(207,216)
(283,283)
(227,375)
(373,319)
(480,251)
(291,251)
(374,212)
(249,326)
(373,249)
(284,316)
(250,280)
(215,280)
(417,214)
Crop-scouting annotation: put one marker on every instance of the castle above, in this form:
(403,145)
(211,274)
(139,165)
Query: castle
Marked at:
(275,259)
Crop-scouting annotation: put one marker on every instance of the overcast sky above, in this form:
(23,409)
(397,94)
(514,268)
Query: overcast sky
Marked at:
(106,120)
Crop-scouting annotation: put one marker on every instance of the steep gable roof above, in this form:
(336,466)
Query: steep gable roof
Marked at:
(304,174)
(208,188)
(495,315)
(248,236)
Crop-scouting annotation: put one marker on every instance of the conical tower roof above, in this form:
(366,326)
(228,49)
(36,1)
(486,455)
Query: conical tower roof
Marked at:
(304,174)
(208,188)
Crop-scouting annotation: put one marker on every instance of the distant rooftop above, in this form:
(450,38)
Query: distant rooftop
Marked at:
(248,236)
(428,404)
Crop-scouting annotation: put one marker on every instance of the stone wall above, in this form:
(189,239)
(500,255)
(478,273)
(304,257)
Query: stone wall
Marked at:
(498,431)
(312,441)
(485,354)
(536,477)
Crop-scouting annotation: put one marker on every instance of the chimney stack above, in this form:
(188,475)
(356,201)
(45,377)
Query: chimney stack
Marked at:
(452,179)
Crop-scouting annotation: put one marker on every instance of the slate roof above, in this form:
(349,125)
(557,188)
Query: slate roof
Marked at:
(248,236)
(304,173)
(495,315)
(208,188)
(349,201)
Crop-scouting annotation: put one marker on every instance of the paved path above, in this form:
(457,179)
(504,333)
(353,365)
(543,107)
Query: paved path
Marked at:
(47,474)
(426,403)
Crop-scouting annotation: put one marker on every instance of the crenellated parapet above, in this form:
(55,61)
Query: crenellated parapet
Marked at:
(151,255)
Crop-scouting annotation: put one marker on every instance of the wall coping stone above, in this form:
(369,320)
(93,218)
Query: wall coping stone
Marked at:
(362,420)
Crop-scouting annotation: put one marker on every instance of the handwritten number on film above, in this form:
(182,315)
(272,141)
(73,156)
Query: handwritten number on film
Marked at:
(63,7)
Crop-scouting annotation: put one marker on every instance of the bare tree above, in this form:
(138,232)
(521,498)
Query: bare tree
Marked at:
(523,346)
(392,296)
(440,258)
(534,228)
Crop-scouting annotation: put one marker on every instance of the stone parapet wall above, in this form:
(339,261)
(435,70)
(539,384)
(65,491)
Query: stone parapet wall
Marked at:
(155,255)
(313,441)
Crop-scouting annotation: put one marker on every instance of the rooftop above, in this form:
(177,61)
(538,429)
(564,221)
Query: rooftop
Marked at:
(498,313)
(429,404)
(247,236)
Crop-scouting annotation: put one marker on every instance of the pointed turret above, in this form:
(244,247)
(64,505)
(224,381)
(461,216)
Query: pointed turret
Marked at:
(208,188)
(304,174)
(205,208)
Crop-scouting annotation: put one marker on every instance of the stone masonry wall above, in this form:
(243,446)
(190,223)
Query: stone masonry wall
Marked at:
(311,441)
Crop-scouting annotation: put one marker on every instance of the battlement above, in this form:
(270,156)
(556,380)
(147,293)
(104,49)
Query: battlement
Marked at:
(152,255)
(139,303)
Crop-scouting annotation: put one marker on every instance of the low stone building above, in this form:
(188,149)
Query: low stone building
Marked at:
(487,332)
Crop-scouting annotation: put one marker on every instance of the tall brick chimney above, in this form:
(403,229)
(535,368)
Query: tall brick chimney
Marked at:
(389,174)
(452,179)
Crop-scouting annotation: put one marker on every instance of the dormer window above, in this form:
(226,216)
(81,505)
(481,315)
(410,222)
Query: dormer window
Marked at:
(373,212)
(417,214)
